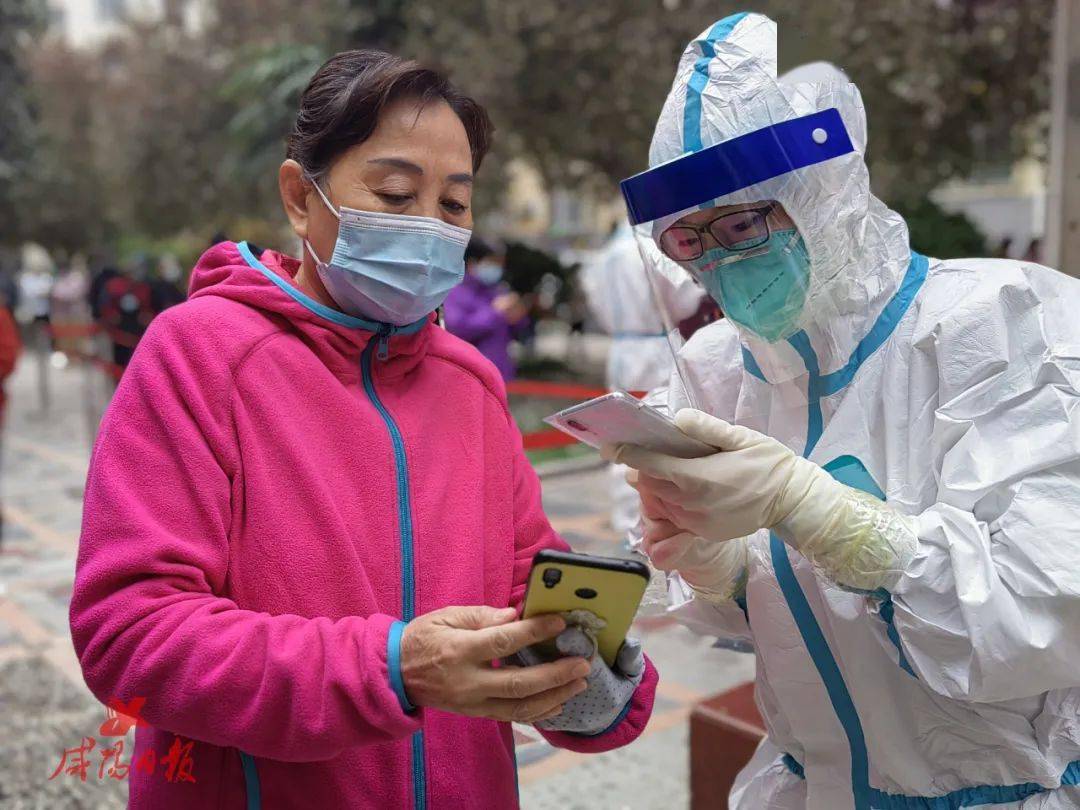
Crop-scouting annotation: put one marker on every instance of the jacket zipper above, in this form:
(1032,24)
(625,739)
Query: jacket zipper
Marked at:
(408,582)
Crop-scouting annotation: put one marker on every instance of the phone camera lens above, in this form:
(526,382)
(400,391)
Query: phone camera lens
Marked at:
(551,577)
(576,425)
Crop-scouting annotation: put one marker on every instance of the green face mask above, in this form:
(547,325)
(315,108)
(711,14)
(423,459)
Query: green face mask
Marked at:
(764,293)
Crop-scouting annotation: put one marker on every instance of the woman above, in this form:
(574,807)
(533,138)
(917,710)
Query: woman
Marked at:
(892,516)
(301,474)
(484,311)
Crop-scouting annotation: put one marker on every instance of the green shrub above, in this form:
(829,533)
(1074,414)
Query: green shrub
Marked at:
(935,232)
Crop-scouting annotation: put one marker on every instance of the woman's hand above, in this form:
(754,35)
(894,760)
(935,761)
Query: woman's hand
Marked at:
(446,663)
(510,306)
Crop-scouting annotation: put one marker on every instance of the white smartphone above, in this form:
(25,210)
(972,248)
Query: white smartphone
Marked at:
(619,418)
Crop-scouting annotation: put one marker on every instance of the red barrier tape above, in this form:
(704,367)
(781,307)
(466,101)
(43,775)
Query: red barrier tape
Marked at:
(82,330)
(73,330)
(558,390)
(121,338)
(111,369)
(547,439)
(539,388)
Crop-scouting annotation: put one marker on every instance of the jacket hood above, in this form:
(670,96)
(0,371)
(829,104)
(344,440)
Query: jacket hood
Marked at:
(266,283)
(726,86)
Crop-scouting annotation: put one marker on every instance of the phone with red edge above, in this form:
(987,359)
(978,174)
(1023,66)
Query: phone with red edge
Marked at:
(619,418)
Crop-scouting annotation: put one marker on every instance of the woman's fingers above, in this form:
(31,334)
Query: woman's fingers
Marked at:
(532,709)
(474,617)
(493,643)
(518,683)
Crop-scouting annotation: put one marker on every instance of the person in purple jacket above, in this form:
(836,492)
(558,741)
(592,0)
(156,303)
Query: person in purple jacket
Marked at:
(484,311)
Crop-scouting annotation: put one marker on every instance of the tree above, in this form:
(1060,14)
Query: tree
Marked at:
(948,86)
(165,148)
(575,87)
(934,232)
(20,21)
(377,24)
(578,87)
(171,128)
(264,90)
(68,200)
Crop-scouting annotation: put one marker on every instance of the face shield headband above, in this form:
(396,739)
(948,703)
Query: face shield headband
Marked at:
(700,177)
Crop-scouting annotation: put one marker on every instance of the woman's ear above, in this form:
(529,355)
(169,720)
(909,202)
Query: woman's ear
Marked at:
(294,189)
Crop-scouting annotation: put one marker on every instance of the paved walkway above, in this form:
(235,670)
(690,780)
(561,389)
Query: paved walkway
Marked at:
(47,709)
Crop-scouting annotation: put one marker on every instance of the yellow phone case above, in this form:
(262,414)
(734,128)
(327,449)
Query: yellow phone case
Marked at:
(611,588)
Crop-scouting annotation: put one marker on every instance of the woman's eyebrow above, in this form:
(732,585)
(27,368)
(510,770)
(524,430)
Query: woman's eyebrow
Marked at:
(412,168)
(398,163)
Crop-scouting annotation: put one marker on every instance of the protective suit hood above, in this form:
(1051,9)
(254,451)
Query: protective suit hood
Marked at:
(726,88)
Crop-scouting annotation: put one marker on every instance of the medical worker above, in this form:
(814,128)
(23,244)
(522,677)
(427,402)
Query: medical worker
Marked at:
(622,297)
(892,515)
(309,519)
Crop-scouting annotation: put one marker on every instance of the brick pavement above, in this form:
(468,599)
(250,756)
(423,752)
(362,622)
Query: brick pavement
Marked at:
(48,709)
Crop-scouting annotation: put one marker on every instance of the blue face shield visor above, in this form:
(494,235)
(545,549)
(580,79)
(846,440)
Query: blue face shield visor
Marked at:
(698,178)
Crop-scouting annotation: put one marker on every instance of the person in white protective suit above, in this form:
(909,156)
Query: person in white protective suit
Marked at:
(892,516)
(623,299)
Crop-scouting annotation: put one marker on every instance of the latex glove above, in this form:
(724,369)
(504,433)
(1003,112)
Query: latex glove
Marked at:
(609,689)
(754,482)
(716,571)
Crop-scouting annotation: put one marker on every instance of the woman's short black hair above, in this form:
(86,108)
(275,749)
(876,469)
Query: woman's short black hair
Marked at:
(477,249)
(342,103)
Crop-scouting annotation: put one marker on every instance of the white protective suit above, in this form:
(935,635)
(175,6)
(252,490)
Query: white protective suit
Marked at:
(950,390)
(623,299)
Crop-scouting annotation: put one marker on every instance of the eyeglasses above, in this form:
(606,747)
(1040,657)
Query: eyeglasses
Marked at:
(741,230)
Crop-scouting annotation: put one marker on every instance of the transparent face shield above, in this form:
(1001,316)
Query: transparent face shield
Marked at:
(743,218)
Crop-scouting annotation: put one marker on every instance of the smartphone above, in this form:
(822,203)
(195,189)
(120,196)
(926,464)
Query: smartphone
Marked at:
(610,587)
(619,418)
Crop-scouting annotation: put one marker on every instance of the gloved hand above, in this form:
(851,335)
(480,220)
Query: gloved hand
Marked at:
(714,570)
(609,690)
(754,482)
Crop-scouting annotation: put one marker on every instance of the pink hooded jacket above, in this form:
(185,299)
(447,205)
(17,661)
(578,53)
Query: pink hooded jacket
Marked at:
(273,488)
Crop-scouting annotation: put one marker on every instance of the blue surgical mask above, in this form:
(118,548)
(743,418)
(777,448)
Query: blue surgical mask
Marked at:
(764,290)
(488,272)
(391,268)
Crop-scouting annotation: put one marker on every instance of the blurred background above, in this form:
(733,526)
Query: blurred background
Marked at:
(135,130)
(135,133)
